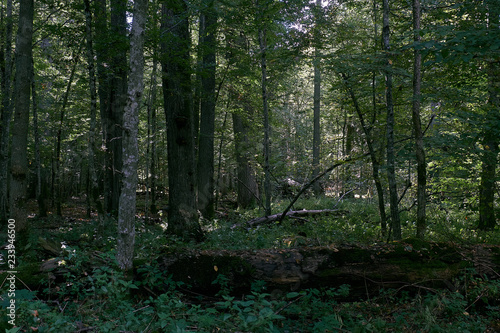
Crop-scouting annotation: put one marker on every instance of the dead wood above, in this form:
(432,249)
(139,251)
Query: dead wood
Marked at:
(408,264)
(292,214)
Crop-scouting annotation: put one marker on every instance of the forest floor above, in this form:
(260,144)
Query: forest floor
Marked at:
(83,291)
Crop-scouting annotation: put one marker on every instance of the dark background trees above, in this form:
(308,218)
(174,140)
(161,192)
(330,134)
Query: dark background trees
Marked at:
(246,88)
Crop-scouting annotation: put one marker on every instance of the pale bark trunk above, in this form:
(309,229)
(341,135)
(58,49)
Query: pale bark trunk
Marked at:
(391,170)
(20,126)
(127,206)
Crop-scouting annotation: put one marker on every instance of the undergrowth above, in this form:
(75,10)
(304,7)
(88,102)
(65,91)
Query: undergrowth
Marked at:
(91,297)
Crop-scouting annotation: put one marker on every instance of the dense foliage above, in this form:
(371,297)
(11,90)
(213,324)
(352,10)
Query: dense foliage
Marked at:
(387,112)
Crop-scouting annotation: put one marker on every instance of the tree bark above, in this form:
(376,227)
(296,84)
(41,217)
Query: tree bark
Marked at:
(391,170)
(6,113)
(127,207)
(20,126)
(317,103)
(40,183)
(491,130)
(417,126)
(93,191)
(153,125)
(247,187)
(176,67)
(205,170)
(265,113)
(117,99)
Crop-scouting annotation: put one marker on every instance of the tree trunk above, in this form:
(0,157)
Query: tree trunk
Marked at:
(93,191)
(417,126)
(127,207)
(317,104)
(373,155)
(19,159)
(247,188)
(489,157)
(391,170)
(182,213)
(117,98)
(6,113)
(205,171)
(153,123)
(265,113)
(102,37)
(40,192)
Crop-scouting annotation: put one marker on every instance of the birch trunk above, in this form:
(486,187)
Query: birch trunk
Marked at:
(127,206)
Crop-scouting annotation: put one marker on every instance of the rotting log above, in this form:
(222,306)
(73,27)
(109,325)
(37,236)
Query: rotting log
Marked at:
(409,264)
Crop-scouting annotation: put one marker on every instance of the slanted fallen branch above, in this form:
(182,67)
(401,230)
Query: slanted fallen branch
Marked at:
(293,213)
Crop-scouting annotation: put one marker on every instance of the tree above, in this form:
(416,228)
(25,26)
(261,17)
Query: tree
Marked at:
(22,90)
(262,32)
(176,72)
(93,191)
(391,169)
(317,101)
(417,127)
(6,113)
(127,207)
(491,130)
(205,170)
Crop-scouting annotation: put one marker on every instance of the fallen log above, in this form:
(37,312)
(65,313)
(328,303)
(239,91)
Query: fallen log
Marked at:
(367,269)
(294,213)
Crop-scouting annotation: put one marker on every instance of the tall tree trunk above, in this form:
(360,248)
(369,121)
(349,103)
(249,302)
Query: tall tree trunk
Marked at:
(152,116)
(491,140)
(56,175)
(417,126)
(117,98)
(6,113)
(317,103)
(247,188)
(205,171)
(102,37)
(127,207)
(40,183)
(20,126)
(176,68)
(265,111)
(93,192)
(391,170)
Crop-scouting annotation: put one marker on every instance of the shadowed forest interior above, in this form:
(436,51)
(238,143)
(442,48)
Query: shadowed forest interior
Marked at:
(250,165)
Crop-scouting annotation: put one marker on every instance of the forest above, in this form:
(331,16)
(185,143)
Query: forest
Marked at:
(250,166)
